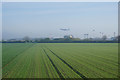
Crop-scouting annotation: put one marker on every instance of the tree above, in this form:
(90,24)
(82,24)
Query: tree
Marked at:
(104,37)
(26,38)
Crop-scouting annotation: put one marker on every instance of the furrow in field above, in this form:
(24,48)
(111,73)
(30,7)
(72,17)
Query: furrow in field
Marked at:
(93,59)
(81,75)
(81,67)
(79,60)
(93,63)
(49,67)
(107,51)
(63,68)
(94,66)
(84,52)
(79,56)
(60,75)
(44,61)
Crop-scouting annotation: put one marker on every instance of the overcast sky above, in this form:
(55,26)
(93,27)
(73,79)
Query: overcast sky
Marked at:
(44,19)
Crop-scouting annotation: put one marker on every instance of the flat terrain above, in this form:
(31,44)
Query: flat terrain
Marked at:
(60,60)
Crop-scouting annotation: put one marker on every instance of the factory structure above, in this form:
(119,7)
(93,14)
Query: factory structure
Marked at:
(68,36)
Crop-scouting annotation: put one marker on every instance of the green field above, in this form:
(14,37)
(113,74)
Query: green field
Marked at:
(60,60)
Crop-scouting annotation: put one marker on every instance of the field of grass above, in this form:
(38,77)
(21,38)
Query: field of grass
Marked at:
(60,60)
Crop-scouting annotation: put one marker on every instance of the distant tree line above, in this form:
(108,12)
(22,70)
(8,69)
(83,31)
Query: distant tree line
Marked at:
(63,40)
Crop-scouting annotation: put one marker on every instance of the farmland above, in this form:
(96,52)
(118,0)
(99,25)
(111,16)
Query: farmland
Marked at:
(60,60)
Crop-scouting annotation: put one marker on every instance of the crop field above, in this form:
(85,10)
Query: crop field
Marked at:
(60,60)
